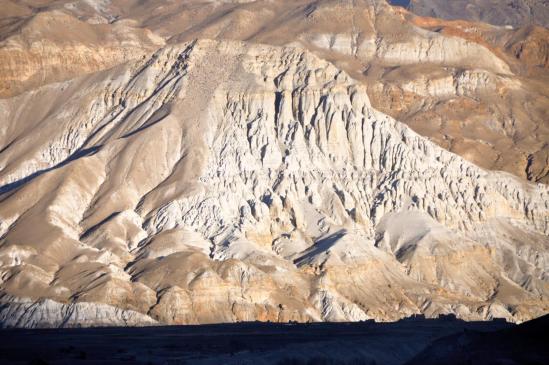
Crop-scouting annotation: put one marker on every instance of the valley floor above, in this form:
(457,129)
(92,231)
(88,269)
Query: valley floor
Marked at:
(249,343)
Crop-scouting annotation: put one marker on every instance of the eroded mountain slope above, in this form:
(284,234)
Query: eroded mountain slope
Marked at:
(224,181)
(51,46)
(475,89)
(512,12)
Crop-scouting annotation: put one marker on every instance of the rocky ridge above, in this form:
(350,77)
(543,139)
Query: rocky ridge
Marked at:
(42,52)
(487,98)
(219,181)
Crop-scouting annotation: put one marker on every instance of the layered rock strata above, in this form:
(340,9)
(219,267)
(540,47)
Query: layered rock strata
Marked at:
(228,181)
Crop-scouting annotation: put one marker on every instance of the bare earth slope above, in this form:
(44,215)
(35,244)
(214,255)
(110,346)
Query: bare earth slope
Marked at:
(205,162)
(43,51)
(512,12)
(474,89)
(224,181)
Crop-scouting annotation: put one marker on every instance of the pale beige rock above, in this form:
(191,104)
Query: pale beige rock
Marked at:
(221,181)
(497,122)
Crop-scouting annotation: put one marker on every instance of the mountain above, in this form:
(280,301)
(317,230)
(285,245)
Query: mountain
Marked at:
(474,89)
(514,13)
(247,169)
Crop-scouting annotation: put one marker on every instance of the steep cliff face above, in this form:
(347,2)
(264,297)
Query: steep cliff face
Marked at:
(224,181)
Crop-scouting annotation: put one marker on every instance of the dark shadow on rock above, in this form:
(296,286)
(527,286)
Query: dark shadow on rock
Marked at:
(78,154)
(320,246)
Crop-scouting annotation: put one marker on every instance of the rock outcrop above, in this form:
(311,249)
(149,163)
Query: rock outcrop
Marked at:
(47,313)
(487,97)
(219,181)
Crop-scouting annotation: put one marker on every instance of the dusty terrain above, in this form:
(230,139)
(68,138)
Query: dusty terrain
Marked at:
(512,12)
(201,162)
(250,343)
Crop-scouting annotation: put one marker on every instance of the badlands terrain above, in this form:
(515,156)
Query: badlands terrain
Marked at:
(192,162)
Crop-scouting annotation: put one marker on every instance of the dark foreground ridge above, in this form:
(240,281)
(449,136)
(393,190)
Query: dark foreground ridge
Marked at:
(411,341)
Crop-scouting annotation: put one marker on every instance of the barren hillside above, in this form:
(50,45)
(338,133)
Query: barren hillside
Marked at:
(221,161)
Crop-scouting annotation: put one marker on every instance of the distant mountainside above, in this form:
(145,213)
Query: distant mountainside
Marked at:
(498,12)
(475,90)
